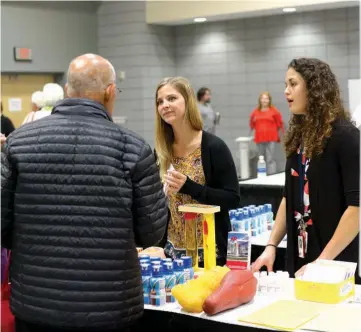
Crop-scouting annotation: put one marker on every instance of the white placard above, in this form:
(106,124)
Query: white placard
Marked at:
(15,104)
(120,120)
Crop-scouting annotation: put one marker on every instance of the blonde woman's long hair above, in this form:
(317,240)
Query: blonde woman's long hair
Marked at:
(269,97)
(164,136)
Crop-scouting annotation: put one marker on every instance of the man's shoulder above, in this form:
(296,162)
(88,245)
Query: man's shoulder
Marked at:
(121,134)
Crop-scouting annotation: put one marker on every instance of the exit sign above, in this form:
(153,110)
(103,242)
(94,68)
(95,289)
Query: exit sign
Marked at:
(22,54)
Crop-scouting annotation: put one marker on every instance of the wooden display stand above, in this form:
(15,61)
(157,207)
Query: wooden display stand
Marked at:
(209,238)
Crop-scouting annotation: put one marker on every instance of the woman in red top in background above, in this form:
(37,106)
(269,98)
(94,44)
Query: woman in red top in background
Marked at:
(266,120)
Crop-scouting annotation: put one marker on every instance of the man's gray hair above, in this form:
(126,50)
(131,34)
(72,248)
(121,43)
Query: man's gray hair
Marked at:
(93,79)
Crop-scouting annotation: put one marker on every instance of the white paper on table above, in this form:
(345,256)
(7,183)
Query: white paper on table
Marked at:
(327,271)
(337,319)
(15,104)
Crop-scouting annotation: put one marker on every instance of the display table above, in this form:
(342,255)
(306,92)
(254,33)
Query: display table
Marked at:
(262,239)
(263,190)
(275,180)
(171,317)
(259,242)
(260,191)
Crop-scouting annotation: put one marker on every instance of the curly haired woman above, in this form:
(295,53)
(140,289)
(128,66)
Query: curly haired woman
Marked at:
(320,208)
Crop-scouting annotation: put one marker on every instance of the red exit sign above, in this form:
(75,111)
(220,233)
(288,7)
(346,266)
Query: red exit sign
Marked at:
(22,54)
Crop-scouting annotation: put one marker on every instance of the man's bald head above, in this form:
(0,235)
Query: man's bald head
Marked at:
(89,75)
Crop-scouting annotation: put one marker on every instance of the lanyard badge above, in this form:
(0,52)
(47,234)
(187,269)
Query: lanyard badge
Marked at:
(302,239)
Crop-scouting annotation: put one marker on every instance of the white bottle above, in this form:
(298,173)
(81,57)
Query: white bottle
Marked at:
(261,167)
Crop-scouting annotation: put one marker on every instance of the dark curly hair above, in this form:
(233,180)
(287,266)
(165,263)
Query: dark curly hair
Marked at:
(201,92)
(324,106)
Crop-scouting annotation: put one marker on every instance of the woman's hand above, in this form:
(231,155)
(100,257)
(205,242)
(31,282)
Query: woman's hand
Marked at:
(2,139)
(174,181)
(266,259)
(301,271)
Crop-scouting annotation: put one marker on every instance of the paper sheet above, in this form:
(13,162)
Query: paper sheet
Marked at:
(285,315)
(336,319)
(15,105)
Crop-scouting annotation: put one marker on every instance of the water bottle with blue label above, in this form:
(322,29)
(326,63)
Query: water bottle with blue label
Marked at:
(233,218)
(157,286)
(178,267)
(261,167)
(170,281)
(146,275)
(261,217)
(240,226)
(253,219)
(246,220)
(188,268)
(269,214)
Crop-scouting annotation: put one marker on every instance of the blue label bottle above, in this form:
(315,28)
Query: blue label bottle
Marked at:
(157,286)
(179,271)
(170,281)
(146,275)
(188,268)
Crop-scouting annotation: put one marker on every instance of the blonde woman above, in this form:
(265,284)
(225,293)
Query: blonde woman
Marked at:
(196,166)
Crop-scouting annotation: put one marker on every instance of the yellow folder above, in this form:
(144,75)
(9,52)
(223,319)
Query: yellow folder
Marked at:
(285,315)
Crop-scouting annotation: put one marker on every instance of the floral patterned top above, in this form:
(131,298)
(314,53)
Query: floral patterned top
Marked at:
(190,166)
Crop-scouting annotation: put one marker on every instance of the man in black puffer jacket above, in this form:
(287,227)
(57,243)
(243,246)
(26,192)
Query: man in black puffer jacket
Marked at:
(77,194)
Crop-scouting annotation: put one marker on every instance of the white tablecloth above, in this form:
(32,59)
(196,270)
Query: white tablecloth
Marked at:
(262,239)
(260,301)
(276,180)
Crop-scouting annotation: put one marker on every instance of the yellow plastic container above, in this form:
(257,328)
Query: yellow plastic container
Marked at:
(209,237)
(323,292)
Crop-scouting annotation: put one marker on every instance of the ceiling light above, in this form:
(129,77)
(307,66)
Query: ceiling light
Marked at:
(289,10)
(200,19)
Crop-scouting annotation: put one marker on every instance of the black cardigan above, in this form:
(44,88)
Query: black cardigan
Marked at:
(333,186)
(221,188)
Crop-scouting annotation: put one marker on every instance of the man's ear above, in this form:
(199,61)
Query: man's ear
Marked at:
(109,92)
(66,90)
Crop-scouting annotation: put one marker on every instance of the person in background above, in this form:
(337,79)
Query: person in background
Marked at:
(197,166)
(209,117)
(266,121)
(7,127)
(87,193)
(319,211)
(37,103)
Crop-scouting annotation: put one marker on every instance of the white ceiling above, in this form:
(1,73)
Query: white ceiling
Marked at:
(255,13)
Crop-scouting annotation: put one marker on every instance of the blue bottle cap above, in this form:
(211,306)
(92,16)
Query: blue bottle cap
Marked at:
(156,263)
(157,270)
(187,262)
(144,257)
(178,265)
(167,260)
(152,258)
(146,269)
(144,261)
(168,268)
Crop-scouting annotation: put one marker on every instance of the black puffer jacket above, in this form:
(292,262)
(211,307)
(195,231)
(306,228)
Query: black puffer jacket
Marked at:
(77,191)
